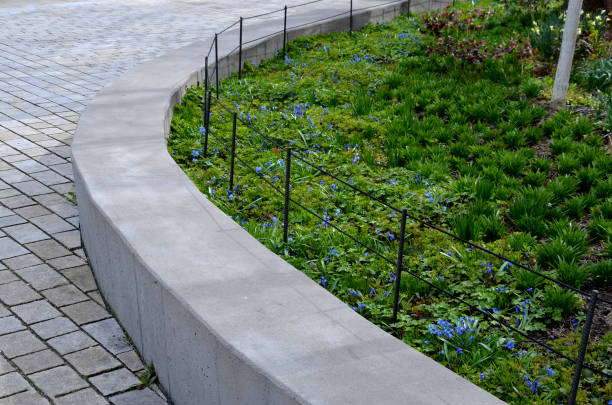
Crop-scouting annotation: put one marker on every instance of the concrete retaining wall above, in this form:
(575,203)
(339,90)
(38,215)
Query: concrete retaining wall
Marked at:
(223,319)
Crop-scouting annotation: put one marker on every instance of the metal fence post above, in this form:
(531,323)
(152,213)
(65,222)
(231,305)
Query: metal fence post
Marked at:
(207,125)
(409,3)
(287,191)
(400,264)
(217,64)
(205,76)
(586,331)
(285,34)
(351,17)
(231,181)
(240,52)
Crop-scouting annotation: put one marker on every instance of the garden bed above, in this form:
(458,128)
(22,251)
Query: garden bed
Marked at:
(444,114)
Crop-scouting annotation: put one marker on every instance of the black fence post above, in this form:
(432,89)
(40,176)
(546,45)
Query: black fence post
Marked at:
(205,76)
(285,34)
(231,180)
(287,191)
(207,124)
(409,3)
(351,17)
(240,52)
(217,64)
(400,264)
(586,331)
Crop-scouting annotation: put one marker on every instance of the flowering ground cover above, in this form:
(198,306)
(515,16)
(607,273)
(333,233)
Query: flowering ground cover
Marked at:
(443,113)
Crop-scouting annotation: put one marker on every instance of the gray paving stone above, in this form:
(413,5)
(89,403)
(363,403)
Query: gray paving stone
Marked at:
(5,366)
(109,334)
(16,293)
(71,342)
(25,233)
(7,276)
(13,176)
(82,277)
(97,297)
(5,212)
(64,295)
(70,239)
(47,249)
(36,311)
(32,187)
(17,201)
(85,312)
(137,397)
(10,324)
(30,166)
(83,397)
(4,311)
(54,327)
(131,360)
(52,223)
(49,177)
(115,381)
(57,381)
(12,383)
(20,343)
(91,361)
(21,262)
(64,210)
(65,262)
(29,397)
(10,248)
(34,362)
(32,211)
(42,277)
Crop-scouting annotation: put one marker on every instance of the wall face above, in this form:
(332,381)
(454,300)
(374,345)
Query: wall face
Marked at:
(223,320)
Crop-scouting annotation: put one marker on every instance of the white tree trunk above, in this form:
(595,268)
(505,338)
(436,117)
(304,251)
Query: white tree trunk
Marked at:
(564,66)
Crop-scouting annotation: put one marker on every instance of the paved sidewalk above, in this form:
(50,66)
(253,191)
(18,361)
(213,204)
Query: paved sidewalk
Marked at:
(58,343)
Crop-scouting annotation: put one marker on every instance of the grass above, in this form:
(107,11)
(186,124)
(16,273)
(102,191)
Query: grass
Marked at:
(468,146)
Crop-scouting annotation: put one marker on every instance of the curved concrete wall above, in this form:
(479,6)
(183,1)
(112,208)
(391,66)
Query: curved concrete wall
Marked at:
(223,319)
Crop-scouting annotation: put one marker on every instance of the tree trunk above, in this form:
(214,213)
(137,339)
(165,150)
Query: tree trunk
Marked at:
(564,66)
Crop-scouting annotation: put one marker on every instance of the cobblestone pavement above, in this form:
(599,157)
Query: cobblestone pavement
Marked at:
(58,342)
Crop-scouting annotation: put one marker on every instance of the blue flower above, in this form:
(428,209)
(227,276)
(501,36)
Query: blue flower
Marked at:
(459,351)
(510,344)
(550,371)
(482,376)
(258,169)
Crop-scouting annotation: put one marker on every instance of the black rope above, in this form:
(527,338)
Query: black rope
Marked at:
(319,20)
(228,27)
(263,14)
(263,37)
(305,4)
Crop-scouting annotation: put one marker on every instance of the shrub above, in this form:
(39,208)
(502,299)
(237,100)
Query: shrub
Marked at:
(586,154)
(512,162)
(571,274)
(567,163)
(467,227)
(557,122)
(561,145)
(484,190)
(587,176)
(569,233)
(541,165)
(362,103)
(481,207)
(526,279)
(574,207)
(595,74)
(534,179)
(521,241)
(600,229)
(532,87)
(550,254)
(528,211)
(601,273)
(533,135)
(559,302)
(603,188)
(514,139)
(580,127)
(561,188)
(603,210)
(492,227)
